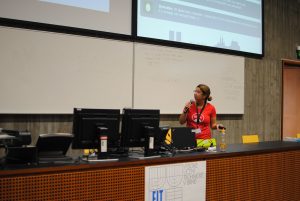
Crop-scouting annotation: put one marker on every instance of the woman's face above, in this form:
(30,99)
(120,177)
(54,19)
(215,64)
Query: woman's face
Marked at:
(198,94)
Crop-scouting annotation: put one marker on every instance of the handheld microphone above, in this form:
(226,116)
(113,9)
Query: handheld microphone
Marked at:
(186,109)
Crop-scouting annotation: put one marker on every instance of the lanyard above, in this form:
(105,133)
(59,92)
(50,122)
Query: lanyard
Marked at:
(199,114)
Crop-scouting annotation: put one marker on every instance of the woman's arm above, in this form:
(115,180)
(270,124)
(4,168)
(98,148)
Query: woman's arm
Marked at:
(182,118)
(183,115)
(213,123)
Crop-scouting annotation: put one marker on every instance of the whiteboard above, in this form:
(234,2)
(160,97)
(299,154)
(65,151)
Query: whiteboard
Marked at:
(165,77)
(44,72)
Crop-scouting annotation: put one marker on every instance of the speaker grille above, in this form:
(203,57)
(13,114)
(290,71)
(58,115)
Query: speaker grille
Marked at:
(109,184)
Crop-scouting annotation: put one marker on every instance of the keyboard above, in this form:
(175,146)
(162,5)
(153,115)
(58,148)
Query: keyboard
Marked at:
(54,159)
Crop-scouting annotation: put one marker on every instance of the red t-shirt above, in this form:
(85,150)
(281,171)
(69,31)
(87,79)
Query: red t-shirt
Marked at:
(204,122)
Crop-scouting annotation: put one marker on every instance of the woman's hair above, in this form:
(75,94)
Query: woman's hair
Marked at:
(205,90)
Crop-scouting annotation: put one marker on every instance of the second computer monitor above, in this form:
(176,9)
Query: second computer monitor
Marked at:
(137,124)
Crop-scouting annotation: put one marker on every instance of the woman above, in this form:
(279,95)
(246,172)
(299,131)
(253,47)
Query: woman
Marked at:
(201,116)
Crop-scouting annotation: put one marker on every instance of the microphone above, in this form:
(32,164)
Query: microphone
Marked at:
(186,109)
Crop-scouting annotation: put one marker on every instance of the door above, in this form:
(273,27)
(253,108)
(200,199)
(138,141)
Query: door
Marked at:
(291,98)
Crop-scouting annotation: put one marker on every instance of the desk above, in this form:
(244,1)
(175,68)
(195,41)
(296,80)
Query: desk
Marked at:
(262,171)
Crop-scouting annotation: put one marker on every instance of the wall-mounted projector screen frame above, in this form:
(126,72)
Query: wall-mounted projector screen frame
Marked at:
(231,27)
(95,18)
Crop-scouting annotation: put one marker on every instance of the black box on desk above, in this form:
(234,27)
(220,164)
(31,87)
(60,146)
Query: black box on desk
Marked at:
(21,155)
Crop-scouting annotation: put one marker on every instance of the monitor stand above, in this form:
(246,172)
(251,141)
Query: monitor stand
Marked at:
(103,149)
(140,154)
(136,156)
(149,150)
(97,158)
(54,157)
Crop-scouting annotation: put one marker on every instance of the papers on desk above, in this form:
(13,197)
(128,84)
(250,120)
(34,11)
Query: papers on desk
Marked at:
(291,139)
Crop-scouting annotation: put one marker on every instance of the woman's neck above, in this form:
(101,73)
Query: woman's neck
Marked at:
(200,103)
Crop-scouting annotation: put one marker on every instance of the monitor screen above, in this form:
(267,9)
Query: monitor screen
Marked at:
(88,126)
(135,125)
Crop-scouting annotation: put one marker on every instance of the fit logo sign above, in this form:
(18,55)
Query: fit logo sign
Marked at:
(176,182)
(157,195)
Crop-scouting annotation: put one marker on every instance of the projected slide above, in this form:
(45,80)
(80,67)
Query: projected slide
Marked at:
(98,5)
(112,16)
(228,24)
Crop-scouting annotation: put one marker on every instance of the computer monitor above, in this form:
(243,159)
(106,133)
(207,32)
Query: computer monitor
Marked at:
(53,147)
(137,126)
(56,144)
(90,124)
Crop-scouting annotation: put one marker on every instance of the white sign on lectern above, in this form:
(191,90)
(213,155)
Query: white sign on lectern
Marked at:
(176,182)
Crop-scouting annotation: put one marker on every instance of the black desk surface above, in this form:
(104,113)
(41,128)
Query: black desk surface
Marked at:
(233,150)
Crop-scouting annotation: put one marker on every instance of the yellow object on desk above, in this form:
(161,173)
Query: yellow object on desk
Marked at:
(250,138)
(298,135)
(206,143)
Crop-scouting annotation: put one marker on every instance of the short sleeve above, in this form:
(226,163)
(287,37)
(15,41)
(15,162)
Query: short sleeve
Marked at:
(213,111)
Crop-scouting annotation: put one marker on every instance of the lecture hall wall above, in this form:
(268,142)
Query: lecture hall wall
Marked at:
(263,85)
